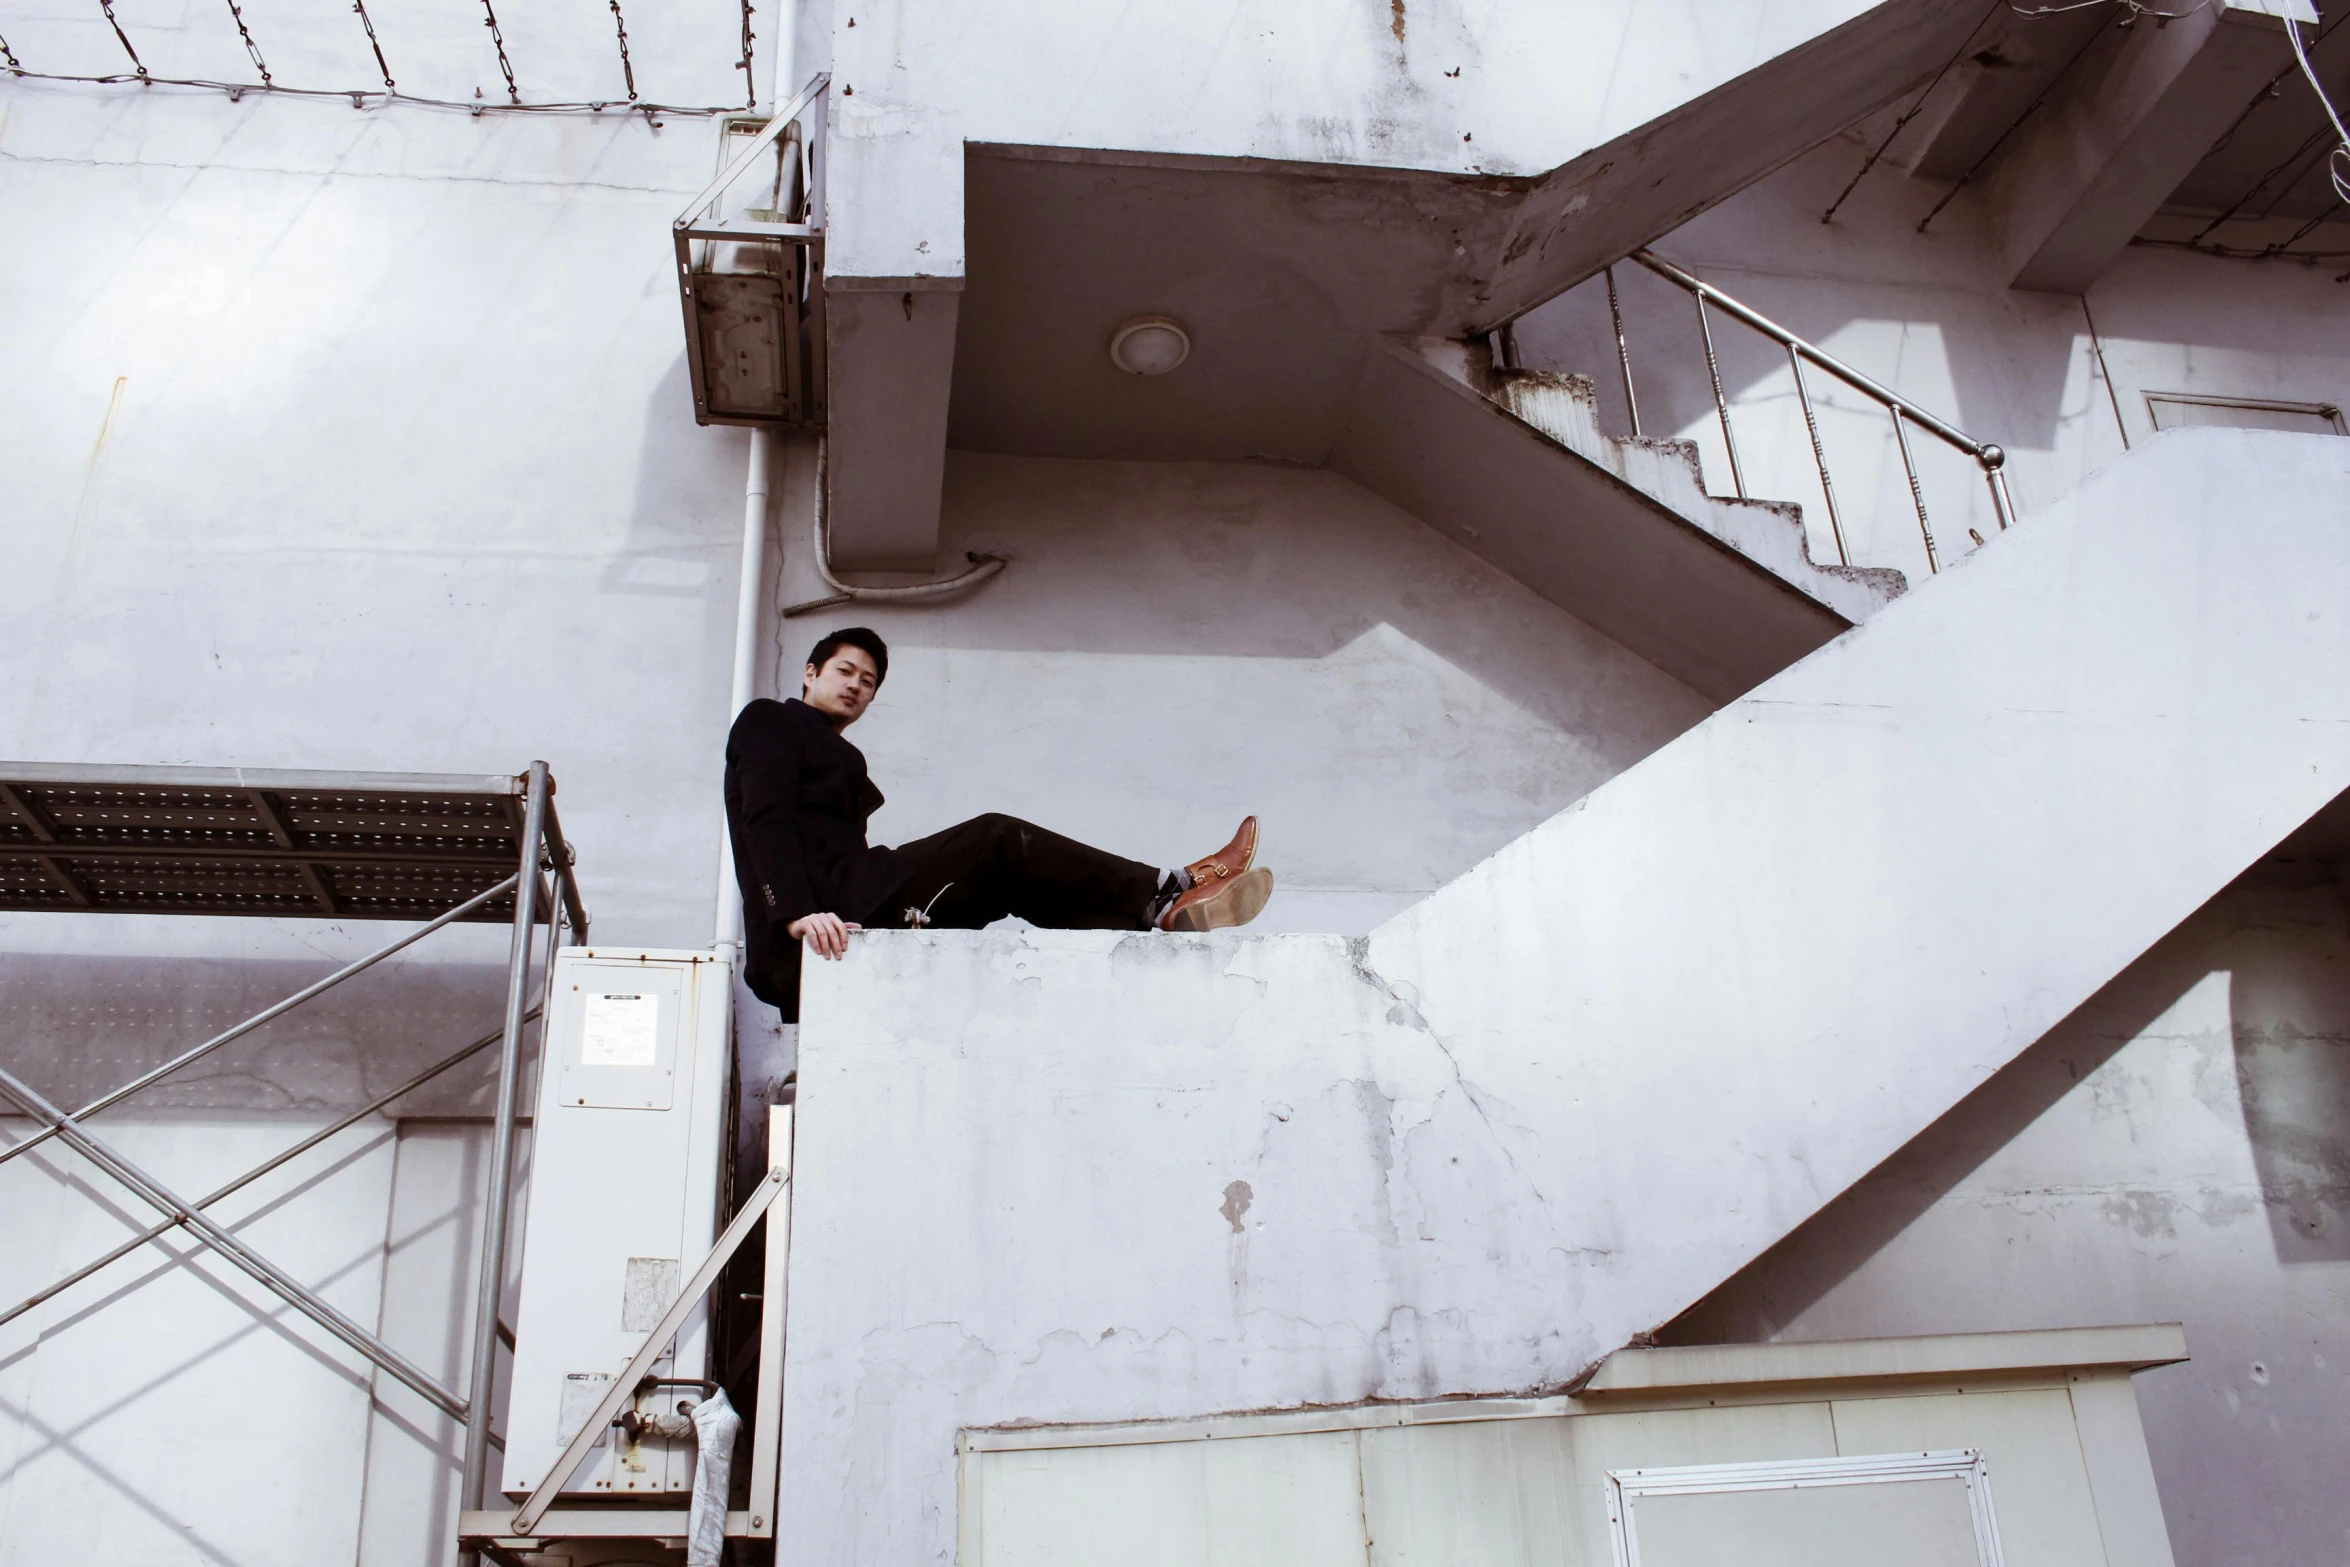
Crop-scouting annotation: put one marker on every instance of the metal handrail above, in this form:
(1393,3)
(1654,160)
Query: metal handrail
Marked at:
(1990,458)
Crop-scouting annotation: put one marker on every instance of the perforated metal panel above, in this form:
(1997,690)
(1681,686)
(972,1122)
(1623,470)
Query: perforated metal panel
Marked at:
(164,840)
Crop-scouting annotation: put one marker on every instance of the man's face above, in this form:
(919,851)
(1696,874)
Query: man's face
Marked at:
(843,687)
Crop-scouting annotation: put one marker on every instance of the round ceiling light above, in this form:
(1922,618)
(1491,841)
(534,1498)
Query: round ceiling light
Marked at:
(1150,345)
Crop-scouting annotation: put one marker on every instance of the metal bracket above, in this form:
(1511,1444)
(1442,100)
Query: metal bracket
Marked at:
(526,1517)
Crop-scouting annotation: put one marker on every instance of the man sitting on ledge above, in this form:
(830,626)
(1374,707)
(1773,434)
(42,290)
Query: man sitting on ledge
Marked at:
(797,800)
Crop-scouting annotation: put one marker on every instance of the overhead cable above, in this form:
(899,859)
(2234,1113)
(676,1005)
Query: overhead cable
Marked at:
(358,96)
(1898,125)
(2338,161)
(1989,152)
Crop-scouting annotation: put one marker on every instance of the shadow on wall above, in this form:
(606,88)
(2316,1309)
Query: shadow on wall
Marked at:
(2279,940)
(2290,1014)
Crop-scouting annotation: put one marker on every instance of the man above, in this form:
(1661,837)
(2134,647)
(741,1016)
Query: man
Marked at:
(797,800)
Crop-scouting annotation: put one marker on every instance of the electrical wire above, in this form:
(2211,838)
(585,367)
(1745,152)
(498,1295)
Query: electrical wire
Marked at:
(390,93)
(1911,113)
(2137,9)
(2030,109)
(2338,161)
(358,96)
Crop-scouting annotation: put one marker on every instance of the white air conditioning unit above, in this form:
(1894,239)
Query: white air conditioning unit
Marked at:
(627,1155)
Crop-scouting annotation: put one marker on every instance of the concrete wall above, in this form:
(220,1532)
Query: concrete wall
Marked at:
(2179,1148)
(361,439)
(1509,89)
(1070,1177)
(1179,644)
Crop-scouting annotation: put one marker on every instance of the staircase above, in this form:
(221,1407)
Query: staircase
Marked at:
(1720,593)
(1086,1176)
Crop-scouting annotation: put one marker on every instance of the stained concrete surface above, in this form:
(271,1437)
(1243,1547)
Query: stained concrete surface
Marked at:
(1543,1110)
(2177,1149)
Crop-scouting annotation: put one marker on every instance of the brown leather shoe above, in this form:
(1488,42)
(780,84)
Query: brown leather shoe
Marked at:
(1220,901)
(1230,860)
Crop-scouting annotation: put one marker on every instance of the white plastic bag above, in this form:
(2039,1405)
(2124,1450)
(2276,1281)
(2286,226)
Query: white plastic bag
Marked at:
(716,1425)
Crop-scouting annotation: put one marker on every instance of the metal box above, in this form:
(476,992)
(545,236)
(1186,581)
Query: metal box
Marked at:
(626,1157)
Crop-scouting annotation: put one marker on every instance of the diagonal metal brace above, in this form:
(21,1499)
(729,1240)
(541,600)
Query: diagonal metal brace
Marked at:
(267,1273)
(277,1010)
(154,1231)
(526,1517)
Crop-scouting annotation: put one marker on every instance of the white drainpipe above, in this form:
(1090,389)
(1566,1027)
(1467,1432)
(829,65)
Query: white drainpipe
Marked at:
(756,485)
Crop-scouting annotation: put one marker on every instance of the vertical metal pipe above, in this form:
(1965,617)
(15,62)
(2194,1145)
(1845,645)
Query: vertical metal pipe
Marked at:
(1615,314)
(1994,463)
(1917,492)
(1713,368)
(1819,455)
(491,1285)
(749,594)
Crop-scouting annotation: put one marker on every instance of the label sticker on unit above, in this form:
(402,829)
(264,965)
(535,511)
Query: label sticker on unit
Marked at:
(621,1030)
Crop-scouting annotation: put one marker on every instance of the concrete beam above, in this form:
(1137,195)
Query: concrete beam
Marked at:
(2146,104)
(891,351)
(2007,64)
(1688,601)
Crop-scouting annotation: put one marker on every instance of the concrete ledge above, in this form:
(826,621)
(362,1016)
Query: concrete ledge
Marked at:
(1938,1356)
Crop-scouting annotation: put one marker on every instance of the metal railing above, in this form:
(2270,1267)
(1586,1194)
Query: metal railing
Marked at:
(1799,353)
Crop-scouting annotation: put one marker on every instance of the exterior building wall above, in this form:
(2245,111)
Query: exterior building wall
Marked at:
(2178,1149)
(361,439)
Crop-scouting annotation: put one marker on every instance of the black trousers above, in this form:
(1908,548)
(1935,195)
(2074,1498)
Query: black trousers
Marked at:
(978,871)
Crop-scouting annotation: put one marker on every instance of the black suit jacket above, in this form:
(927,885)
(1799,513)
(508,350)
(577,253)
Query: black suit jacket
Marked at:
(797,799)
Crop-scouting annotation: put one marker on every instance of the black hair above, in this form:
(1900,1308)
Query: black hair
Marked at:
(865,641)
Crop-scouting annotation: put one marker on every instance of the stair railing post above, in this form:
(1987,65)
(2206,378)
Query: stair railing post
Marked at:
(490,1286)
(1615,314)
(1994,462)
(1713,368)
(1917,491)
(1819,455)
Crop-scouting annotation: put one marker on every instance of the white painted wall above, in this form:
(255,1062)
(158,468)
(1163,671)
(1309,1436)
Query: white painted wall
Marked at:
(2177,1149)
(368,445)
(1177,645)
(1510,88)
(1083,1177)
(171,1410)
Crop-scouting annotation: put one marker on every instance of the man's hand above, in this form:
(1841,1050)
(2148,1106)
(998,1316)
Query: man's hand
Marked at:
(826,934)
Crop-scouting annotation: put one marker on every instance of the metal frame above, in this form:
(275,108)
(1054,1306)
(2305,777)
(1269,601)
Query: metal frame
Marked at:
(2330,412)
(696,225)
(526,799)
(1991,459)
(185,840)
(1626,1486)
(538,1521)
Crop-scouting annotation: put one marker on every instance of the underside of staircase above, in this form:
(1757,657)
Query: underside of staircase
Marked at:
(1720,593)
